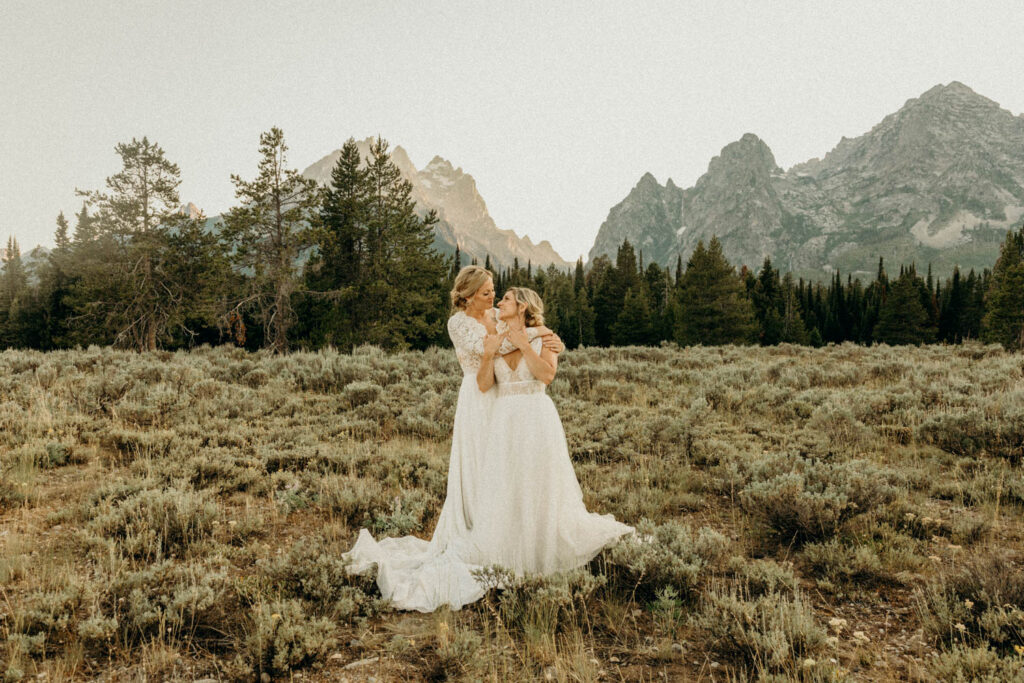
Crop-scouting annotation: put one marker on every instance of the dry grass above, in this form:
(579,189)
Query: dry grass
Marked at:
(841,513)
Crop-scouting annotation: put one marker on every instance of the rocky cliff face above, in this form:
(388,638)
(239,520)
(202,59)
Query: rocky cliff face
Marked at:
(464,218)
(939,181)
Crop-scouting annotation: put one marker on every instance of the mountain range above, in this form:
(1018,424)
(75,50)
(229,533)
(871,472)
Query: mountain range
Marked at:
(938,182)
(464,220)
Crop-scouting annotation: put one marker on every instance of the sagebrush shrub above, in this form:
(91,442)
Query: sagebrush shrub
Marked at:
(543,604)
(977,665)
(153,524)
(814,499)
(315,572)
(760,577)
(48,615)
(770,633)
(194,602)
(668,554)
(283,637)
(979,605)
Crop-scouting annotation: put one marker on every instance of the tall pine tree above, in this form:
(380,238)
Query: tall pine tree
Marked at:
(713,301)
(1003,321)
(273,225)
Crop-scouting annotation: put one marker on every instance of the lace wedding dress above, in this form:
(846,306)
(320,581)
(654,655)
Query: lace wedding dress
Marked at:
(420,575)
(538,522)
(512,496)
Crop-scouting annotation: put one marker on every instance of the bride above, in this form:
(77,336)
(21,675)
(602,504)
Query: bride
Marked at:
(536,522)
(477,526)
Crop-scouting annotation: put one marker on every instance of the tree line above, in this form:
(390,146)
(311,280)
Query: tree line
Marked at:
(291,265)
(297,266)
(710,302)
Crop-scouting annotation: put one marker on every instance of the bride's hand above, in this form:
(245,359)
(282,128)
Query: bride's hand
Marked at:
(518,337)
(554,343)
(492,342)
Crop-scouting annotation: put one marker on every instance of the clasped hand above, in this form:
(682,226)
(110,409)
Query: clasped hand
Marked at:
(518,337)
(492,342)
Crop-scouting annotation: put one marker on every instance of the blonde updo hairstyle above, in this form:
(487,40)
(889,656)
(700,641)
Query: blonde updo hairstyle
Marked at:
(467,283)
(534,306)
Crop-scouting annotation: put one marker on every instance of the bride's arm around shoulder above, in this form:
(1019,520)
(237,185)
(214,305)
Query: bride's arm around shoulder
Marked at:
(551,340)
(542,365)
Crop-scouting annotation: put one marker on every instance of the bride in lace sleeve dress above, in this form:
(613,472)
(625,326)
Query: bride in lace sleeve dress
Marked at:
(536,522)
(415,574)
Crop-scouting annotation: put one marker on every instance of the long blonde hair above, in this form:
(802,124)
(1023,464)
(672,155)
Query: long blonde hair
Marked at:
(534,306)
(467,283)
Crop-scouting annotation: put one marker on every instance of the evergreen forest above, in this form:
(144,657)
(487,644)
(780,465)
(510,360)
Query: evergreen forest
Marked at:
(297,266)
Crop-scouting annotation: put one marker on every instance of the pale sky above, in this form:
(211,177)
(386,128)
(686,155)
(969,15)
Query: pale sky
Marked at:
(555,108)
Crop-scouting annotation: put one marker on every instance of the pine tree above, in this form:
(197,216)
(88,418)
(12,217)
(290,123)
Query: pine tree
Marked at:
(559,303)
(335,276)
(266,234)
(633,324)
(55,286)
(792,329)
(902,318)
(128,287)
(1003,320)
(204,281)
(584,319)
(61,237)
(953,307)
(658,282)
(714,305)
(85,226)
(579,279)
(766,297)
(626,269)
(404,270)
(13,290)
(603,286)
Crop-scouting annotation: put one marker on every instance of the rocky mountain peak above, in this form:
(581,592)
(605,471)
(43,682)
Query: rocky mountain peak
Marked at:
(441,165)
(647,186)
(939,181)
(955,91)
(401,159)
(190,211)
(749,152)
(464,219)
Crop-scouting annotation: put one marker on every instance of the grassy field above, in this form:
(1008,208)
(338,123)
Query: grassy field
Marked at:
(844,513)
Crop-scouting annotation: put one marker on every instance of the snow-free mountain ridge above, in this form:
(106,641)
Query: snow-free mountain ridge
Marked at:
(940,181)
(464,219)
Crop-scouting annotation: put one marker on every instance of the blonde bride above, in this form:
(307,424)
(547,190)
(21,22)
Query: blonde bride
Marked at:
(488,495)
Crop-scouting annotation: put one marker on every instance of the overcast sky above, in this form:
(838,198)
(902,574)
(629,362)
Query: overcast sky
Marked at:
(555,108)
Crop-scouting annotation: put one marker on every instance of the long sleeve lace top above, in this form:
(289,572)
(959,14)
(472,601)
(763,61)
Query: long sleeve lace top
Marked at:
(467,336)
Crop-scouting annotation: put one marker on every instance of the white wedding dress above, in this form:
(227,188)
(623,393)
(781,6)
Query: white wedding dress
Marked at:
(539,524)
(512,496)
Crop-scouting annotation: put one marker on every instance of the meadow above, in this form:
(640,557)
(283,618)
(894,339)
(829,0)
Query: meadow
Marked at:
(843,513)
